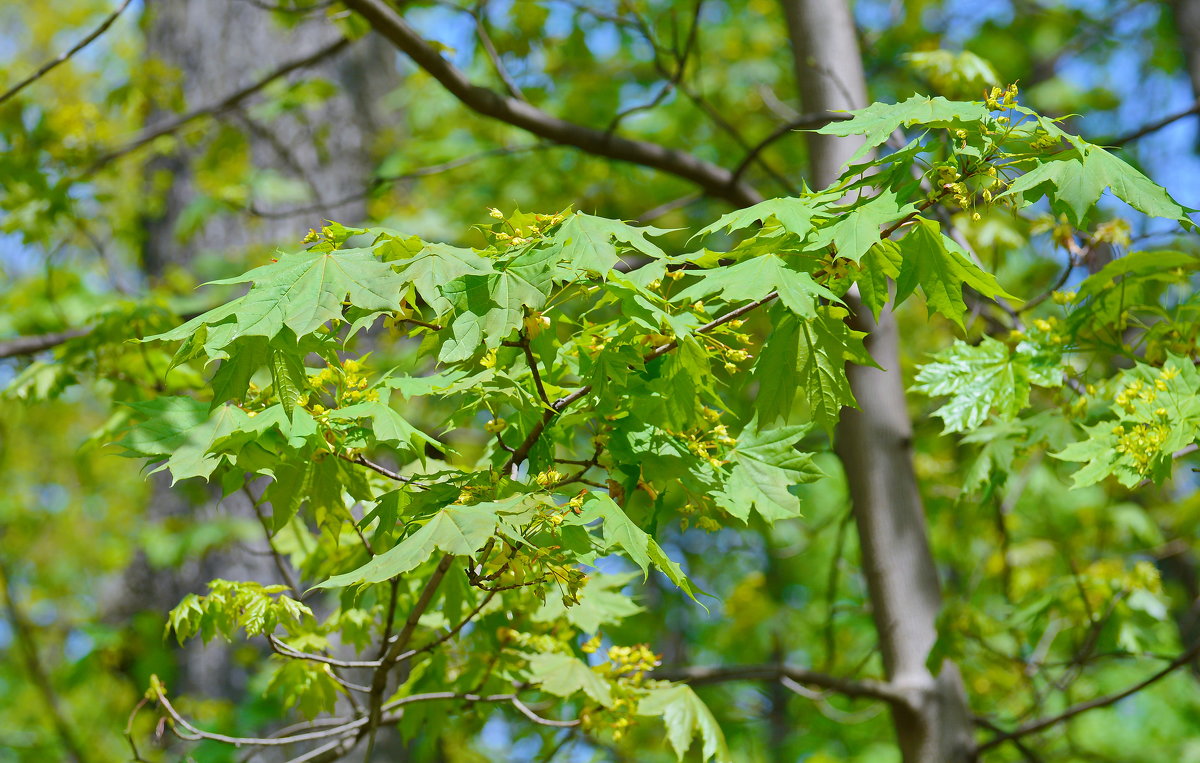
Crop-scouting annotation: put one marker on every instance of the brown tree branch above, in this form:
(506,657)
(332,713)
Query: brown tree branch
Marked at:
(865,688)
(31,345)
(50,65)
(716,181)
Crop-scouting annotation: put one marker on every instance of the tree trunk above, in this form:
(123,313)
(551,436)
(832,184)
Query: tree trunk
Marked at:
(1187,26)
(875,443)
(218,46)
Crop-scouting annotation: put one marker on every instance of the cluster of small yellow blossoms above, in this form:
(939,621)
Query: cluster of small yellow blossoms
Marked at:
(495,426)
(733,355)
(575,505)
(632,662)
(998,99)
(548,478)
(627,668)
(535,324)
(949,178)
(1142,443)
(521,236)
(1115,231)
(350,385)
(1136,390)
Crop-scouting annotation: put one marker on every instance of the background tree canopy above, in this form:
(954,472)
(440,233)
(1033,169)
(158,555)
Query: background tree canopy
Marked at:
(508,380)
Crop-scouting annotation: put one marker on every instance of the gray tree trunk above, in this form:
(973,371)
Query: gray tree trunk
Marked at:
(875,443)
(219,46)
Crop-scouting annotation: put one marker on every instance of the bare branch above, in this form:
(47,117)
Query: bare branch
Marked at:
(800,122)
(287,651)
(1093,704)
(50,65)
(31,345)
(225,104)
(1153,126)
(866,688)
(715,180)
(485,40)
(192,733)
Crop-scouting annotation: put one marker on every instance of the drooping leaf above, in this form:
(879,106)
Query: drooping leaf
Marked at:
(757,277)
(685,715)
(621,532)
(940,267)
(1075,179)
(793,213)
(181,430)
(589,242)
(301,291)
(563,675)
(457,530)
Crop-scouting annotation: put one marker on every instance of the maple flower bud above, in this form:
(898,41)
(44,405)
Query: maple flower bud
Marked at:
(495,213)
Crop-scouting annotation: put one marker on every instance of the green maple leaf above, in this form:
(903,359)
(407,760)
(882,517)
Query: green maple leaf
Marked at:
(436,265)
(685,715)
(589,242)
(877,122)
(793,213)
(620,531)
(754,279)
(491,307)
(855,229)
(301,291)
(386,425)
(940,267)
(601,602)
(987,377)
(776,363)
(882,261)
(1075,179)
(824,345)
(563,675)
(182,431)
(457,530)
(765,465)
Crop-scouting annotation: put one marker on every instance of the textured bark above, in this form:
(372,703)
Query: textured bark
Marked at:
(874,443)
(219,46)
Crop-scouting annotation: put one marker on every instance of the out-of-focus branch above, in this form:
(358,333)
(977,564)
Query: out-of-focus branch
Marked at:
(27,643)
(213,109)
(50,65)
(31,345)
(849,687)
(1083,707)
